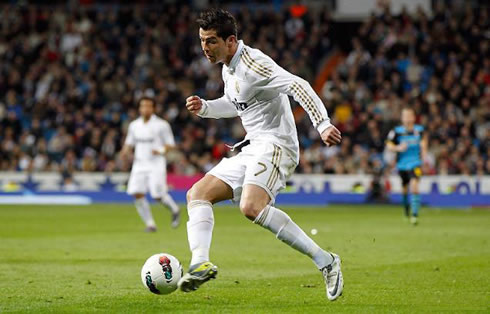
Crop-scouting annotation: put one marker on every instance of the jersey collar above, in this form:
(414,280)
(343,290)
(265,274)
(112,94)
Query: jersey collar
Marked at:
(153,116)
(236,57)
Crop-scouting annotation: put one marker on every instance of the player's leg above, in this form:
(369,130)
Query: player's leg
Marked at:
(159,192)
(144,210)
(265,176)
(169,202)
(174,209)
(415,196)
(137,187)
(406,203)
(255,205)
(200,199)
(405,183)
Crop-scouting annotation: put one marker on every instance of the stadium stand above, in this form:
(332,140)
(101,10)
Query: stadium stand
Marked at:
(69,81)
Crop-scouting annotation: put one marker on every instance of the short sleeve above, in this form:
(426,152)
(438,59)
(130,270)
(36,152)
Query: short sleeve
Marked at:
(130,136)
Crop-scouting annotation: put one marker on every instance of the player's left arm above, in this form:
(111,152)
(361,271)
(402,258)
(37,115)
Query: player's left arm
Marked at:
(424,144)
(129,142)
(393,143)
(277,78)
(167,137)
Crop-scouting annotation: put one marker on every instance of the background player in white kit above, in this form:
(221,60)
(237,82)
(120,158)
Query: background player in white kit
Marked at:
(151,137)
(256,90)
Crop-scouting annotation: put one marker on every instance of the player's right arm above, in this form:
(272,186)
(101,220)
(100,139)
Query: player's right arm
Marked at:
(128,143)
(126,150)
(393,144)
(217,108)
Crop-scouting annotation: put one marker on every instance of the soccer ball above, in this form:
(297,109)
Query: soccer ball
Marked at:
(161,273)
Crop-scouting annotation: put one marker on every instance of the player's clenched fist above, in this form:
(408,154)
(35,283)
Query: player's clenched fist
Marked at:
(331,136)
(193,104)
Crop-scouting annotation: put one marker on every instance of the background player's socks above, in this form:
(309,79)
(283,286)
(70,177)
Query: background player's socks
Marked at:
(169,202)
(290,233)
(415,202)
(144,210)
(200,230)
(406,204)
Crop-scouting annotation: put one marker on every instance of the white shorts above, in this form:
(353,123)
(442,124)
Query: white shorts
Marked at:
(263,164)
(140,182)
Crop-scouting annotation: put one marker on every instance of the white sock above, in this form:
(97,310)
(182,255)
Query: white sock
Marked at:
(290,233)
(144,210)
(169,202)
(200,230)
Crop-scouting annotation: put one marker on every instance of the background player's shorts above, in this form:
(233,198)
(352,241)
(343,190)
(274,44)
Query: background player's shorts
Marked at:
(406,175)
(140,182)
(264,164)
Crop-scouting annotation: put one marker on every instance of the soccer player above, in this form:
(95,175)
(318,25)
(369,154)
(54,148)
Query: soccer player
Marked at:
(151,137)
(410,143)
(256,90)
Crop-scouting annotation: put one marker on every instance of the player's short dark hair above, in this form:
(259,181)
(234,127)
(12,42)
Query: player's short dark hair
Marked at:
(153,101)
(219,20)
(412,109)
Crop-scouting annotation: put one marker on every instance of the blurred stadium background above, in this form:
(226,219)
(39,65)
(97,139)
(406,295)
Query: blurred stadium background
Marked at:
(70,72)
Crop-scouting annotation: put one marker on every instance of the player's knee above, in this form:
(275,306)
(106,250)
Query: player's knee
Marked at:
(249,209)
(138,195)
(196,193)
(414,186)
(405,189)
(190,194)
(415,189)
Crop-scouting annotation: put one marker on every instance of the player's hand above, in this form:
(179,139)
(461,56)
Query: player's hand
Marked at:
(331,136)
(159,151)
(193,104)
(402,147)
(124,154)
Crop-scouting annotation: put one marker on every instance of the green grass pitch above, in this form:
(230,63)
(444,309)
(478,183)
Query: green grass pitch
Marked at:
(88,259)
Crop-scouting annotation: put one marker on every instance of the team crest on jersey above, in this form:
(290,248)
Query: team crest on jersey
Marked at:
(237,87)
(167,269)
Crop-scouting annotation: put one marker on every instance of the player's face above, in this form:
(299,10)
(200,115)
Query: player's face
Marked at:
(408,117)
(146,108)
(214,47)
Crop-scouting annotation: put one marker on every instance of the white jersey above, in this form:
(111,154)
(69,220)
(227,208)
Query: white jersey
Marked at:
(146,137)
(256,90)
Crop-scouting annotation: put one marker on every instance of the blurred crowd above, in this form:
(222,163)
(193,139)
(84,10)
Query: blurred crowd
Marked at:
(439,65)
(69,81)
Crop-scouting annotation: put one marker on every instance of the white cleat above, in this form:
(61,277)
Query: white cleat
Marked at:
(332,275)
(197,275)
